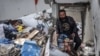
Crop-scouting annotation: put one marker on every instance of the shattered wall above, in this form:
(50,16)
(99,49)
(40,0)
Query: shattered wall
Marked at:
(95,10)
(70,1)
(89,32)
(12,9)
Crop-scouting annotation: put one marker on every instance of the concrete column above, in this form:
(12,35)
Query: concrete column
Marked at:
(89,35)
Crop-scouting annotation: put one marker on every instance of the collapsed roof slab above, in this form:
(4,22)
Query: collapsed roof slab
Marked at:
(71,1)
(66,1)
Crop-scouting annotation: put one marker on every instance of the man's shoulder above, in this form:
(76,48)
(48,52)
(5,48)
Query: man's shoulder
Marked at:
(69,17)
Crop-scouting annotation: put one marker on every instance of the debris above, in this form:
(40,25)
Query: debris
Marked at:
(88,49)
(30,48)
(31,35)
(57,52)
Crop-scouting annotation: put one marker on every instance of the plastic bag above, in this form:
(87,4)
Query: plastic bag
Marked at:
(5,41)
(30,48)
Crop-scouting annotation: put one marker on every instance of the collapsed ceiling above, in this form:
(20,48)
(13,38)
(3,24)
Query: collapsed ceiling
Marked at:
(66,1)
(70,1)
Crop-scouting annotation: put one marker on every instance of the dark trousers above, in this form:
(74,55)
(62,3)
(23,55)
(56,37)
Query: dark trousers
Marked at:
(77,41)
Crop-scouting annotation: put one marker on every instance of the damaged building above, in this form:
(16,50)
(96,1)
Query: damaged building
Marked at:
(28,27)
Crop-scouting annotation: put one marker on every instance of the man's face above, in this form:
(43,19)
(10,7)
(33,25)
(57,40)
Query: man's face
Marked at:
(62,15)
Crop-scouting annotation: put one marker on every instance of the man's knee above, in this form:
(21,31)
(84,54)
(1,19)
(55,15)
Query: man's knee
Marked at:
(78,40)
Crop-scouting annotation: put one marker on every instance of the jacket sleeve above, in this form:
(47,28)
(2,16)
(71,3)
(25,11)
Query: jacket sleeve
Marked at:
(74,25)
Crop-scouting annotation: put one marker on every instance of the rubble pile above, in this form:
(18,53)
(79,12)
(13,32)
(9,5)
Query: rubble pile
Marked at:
(88,49)
(23,33)
(9,50)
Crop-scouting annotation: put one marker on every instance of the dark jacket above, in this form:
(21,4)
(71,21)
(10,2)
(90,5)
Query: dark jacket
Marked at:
(70,21)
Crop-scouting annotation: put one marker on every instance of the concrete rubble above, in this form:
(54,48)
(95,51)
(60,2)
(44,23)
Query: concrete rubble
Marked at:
(45,37)
(29,31)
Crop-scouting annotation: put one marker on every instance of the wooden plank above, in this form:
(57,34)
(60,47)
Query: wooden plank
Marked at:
(40,41)
(42,51)
(47,50)
(20,41)
(54,42)
(32,34)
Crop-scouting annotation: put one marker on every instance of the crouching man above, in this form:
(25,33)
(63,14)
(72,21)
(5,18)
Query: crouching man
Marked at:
(66,26)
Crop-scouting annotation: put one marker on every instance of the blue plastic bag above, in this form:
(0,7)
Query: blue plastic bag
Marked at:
(30,48)
(61,40)
(5,41)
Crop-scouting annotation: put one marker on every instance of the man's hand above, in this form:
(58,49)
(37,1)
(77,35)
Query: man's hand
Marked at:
(71,41)
(73,34)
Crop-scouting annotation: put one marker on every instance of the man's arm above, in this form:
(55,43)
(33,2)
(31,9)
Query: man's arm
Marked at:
(73,24)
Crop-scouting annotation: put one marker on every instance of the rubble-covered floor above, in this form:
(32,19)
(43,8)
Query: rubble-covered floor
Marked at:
(42,38)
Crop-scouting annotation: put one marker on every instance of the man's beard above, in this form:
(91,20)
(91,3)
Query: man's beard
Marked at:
(63,19)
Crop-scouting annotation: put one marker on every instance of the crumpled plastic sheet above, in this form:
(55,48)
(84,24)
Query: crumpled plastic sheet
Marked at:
(14,52)
(88,50)
(30,48)
(57,52)
(9,50)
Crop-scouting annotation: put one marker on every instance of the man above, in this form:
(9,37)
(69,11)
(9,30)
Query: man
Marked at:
(67,26)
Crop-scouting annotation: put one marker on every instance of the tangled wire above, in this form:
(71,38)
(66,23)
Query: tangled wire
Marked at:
(13,51)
